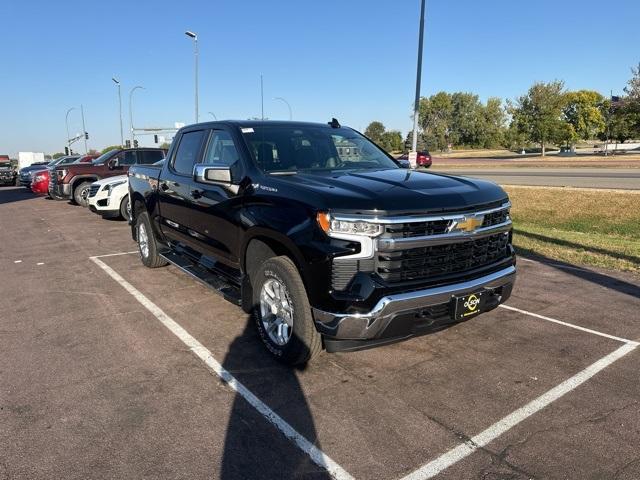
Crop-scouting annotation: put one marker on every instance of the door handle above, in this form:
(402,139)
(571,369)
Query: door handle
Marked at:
(196,193)
(164,187)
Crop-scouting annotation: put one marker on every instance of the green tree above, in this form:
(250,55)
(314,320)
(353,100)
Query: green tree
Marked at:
(493,127)
(435,115)
(583,111)
(538,113)
(392,141)
(57,155)
(111,147)
(374,131)
(165,145)
(633,88)
(466,126)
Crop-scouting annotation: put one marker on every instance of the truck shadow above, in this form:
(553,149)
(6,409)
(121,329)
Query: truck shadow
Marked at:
(11,194)
(253,447)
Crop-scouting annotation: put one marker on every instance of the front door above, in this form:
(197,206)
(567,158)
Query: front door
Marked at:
(215,209)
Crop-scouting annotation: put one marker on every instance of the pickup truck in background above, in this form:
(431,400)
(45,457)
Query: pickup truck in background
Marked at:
(321,235)
(7,172)
(74,181)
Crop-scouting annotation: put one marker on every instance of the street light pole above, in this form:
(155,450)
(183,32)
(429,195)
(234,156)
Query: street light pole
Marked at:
(416,105)
(195,54)
(117,82)
(288,106)
(131,110)
(84,130)
(261,98)
(66,120)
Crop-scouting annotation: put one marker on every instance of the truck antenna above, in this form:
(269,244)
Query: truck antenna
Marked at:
(334,123)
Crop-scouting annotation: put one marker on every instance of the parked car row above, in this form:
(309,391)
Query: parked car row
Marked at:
(95,181)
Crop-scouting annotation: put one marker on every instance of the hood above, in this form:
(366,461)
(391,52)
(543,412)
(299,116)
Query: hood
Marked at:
(31,168)
(115,179)
(392,190)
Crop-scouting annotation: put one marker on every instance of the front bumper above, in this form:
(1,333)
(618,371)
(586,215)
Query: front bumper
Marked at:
(403,315)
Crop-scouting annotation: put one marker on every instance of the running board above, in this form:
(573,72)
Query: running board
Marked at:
(212,280)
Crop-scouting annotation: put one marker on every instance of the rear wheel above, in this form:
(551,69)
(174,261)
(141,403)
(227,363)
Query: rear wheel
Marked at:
(81,194)
(147,244)
(282,312)
(124,208)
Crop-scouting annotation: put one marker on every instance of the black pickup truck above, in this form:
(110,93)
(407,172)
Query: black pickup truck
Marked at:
(321,235)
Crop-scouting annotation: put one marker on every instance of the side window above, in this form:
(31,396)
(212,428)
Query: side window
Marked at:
(147,157)
(188,150)
(127,158)
(221,149)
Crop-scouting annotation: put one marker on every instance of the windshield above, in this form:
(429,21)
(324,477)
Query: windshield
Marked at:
(295,148)
(105,156)
(5,164)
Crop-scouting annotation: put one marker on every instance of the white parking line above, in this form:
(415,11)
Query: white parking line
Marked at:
(462,451)
(317,456)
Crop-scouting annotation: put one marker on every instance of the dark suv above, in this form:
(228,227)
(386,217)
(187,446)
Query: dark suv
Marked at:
(74,181)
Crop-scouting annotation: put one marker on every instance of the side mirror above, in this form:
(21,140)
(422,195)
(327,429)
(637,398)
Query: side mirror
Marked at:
(215,174)
(113,163)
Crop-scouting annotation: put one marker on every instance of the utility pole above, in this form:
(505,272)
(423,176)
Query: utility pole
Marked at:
(195,53)
(117,82)
(261,98)
(416,105)
(84,129)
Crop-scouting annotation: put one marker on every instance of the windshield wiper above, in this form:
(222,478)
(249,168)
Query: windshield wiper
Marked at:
(283,172)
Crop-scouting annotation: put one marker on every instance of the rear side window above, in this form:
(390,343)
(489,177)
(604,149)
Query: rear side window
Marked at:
(147,157)
(188,150)
(127,158)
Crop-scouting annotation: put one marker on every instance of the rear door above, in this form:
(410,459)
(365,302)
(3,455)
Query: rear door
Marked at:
(174,189)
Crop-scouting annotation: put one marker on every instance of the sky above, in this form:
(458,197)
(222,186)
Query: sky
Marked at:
(350,59)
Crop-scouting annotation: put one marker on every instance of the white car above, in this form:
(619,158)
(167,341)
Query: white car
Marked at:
(109,197)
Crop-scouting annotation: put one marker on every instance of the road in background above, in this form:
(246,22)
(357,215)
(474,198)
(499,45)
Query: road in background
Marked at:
(617,178)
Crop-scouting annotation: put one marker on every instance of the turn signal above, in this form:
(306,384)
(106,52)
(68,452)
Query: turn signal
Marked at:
(324,220)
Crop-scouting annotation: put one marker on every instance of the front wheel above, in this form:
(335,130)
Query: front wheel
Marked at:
(124,208)
(81,194)
(147,244)
(282,312)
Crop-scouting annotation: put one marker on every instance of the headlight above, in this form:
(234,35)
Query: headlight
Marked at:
(38,178)
(111,186)
(332,226)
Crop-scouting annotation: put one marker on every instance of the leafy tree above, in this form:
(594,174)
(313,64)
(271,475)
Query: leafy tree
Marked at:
(633,88)
(374,131)
(93,151)
(435,116)
(466,126)
(583,111)
(537,114)
(57,155)
(493,129)
(391,141)
(165,145)
(111,147)
(621,122)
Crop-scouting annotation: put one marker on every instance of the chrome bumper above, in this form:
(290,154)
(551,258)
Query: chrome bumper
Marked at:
(368,326)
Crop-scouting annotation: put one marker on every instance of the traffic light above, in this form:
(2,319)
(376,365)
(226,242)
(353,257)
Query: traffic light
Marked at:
(135,143)
(66,150)
(86,136)
(127,143)
(155,139)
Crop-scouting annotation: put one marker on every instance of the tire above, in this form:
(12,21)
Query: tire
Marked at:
(81,194)
(147,244)
(124,208)
(303,342)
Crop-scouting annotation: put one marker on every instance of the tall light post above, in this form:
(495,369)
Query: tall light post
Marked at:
(131,109)
(84,129)
(117,82)
(288,106)
(66,120)
(416,105)
(213,115)
(195,54)
(261,98)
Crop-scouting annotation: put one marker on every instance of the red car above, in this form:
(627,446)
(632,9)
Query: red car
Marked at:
(40,181)
(87,158)
(423,160)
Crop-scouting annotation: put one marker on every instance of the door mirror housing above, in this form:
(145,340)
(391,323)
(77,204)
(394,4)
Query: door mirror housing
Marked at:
(113,163)
(212,174)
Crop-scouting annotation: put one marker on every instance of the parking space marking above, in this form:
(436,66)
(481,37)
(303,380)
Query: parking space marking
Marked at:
(462,451)
(570,325)
(317,456)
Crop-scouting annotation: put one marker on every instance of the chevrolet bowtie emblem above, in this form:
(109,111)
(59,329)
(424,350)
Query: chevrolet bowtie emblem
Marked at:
(467,224)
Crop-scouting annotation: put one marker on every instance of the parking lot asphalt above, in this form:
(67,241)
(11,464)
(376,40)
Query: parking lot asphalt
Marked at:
(95,381)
